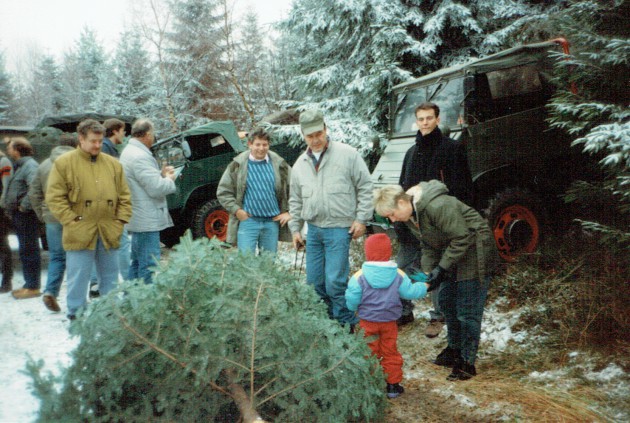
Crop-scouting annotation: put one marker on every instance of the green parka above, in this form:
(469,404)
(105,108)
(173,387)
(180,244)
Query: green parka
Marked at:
(94,190)
(452,233)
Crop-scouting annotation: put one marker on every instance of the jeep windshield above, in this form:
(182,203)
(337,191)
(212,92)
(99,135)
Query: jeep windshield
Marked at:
(447,94)
(170,153)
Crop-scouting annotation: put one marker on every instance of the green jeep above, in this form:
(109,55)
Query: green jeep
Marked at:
(200,156)
(495,107)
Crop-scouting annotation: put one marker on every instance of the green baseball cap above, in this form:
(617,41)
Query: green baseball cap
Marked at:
(311,121)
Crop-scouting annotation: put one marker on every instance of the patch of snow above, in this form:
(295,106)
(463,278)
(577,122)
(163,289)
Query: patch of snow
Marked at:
(496,328)
(27,328)
(611,372)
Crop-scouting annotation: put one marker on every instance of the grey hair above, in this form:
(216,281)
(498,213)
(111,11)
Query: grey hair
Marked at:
(140,127)
(386,198)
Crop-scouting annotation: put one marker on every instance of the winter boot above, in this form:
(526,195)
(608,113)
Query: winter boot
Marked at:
(394,390)
(447,357)
(6,287)
(462,371)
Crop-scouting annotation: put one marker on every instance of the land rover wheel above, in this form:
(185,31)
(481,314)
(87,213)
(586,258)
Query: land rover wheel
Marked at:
(515,218)
(210,220)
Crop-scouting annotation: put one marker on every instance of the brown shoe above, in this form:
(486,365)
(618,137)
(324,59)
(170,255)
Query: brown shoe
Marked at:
(24,293)
(434,328)
(51,303)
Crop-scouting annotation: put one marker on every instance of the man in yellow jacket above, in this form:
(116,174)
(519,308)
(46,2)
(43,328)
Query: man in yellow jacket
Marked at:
(88,194)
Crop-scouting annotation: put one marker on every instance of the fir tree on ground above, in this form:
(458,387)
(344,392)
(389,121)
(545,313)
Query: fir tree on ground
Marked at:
(218,334)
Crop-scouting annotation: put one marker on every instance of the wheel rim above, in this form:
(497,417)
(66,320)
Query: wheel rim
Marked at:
(516,231)
(216,224)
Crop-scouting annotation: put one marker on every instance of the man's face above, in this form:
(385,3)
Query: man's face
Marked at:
(259,148)
(316,141)
(426,121)
(118,136)
(148,139)
(12,152)
(402,213)
(91,143)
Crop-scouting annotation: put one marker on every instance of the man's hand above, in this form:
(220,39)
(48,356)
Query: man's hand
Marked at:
(357,230)
(168,172)
(436,277)
(242,215)
(282,218)
(298,242)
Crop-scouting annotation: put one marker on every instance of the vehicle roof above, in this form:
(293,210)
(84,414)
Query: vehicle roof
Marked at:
(224,127)
(68,123)
(504,59)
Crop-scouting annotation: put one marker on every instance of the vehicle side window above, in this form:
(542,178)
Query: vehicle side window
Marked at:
(513,81)
(207,145)
(508,91)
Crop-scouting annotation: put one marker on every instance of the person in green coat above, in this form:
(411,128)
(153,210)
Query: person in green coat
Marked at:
(455,239)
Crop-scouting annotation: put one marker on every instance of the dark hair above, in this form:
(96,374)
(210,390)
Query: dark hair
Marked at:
(112,125)
(90,125)
(22,146)
(428,106)
(259,133)
(68,140)
(140,127)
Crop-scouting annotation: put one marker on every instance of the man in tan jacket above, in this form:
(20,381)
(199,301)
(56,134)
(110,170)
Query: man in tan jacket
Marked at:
(88,194)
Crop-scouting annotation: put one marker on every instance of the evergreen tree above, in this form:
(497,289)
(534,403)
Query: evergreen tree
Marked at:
(6,95)
(82,70)
(196,51)
(596,110)
(218,332)
(350,53)
(135,82)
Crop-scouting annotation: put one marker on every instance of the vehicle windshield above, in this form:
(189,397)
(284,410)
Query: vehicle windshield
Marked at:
(448,95)
(170,153)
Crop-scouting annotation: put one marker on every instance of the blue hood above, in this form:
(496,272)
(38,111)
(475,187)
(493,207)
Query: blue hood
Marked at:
(379,274)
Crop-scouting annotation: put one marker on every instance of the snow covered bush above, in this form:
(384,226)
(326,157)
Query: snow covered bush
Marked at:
(219,334)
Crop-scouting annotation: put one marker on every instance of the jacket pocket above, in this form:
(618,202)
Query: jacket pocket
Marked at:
(341,202)
(309,208)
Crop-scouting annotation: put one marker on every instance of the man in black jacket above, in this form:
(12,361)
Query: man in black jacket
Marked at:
(433,156)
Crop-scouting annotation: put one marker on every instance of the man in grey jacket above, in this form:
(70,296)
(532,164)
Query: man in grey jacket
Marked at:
(149,187)
(331,191)
(54,229)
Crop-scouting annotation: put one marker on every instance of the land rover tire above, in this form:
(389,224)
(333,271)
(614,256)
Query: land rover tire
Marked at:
(210,220)
(515,217)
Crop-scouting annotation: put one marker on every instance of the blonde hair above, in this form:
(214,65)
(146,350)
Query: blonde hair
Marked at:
(386,199)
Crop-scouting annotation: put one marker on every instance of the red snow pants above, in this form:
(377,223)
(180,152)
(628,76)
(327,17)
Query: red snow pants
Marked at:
(384,347)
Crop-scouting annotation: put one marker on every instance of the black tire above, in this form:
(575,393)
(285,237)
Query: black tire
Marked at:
(210,220)
(516,218)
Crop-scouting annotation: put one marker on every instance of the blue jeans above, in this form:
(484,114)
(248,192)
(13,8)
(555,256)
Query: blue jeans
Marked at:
(124,254)
(261,232)
(124,257)
(462,303)
(145,254)
(79,265)
(57,259)
(27,230)
(328,268)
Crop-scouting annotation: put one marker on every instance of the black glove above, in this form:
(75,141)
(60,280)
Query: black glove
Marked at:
(436,277)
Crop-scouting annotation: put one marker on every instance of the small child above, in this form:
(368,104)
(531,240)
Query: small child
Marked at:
(375,291)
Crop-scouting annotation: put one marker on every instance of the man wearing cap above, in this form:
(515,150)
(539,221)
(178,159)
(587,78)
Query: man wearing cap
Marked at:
(331,191)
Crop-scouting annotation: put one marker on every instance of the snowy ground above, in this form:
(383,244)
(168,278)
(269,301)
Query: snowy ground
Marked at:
(28,328)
